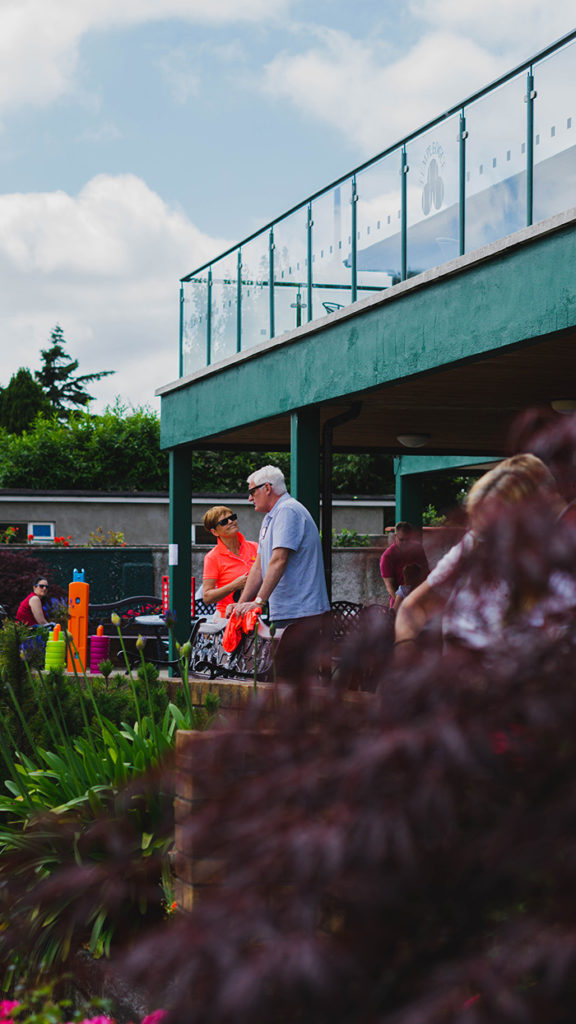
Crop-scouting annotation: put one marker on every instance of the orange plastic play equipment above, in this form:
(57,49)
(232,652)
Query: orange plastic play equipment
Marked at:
(78,593)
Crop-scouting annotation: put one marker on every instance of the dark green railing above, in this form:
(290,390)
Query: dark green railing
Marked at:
(494,163)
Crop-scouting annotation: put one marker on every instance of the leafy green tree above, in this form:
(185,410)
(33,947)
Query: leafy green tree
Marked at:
(59,380)
(21,402)
(363,474)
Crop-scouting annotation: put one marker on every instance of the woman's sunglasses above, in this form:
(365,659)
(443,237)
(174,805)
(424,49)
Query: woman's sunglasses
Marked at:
(229,519)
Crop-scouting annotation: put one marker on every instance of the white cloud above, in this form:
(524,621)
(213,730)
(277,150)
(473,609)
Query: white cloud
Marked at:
(181,77)
(105,265)
(39,39)
(520,26)
(374,97)
(374,101)
(105,132)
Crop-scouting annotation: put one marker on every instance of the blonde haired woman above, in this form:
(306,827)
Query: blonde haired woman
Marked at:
(478,611)
(227,565)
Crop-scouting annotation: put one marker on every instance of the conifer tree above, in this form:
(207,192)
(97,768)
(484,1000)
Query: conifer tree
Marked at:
(58,379)
(21,401)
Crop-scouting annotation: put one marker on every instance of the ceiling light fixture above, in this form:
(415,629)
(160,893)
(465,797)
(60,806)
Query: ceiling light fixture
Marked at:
(413,440)
(564,405)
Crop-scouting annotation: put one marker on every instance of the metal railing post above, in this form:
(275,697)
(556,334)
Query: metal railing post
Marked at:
(239,303)
(271,280)
(309,276)
(354,249)
(181,333)
(404,213)
(209,320)
(530,97)
(462,136)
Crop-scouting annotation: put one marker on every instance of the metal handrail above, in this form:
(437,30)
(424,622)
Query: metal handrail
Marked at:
(457,108)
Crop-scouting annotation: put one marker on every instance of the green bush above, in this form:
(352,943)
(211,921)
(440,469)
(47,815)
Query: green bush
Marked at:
(350,539)
(115,451)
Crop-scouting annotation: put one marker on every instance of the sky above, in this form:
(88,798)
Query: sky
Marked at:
(141,138)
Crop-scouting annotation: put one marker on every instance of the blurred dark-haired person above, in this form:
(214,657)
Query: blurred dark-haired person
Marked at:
(31,611)
(405,550)
(227,565)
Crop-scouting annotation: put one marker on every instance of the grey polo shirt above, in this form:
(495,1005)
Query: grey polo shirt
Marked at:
(301,591)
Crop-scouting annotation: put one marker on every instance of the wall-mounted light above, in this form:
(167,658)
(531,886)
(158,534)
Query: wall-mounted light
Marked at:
(564,405)
(413,440)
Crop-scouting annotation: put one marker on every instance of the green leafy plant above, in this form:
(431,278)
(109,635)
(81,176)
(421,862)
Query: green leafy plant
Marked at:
(350,539)
(50,1003)
(105,667)
(76,774)
(110,539)
(44,1005)
(431,517)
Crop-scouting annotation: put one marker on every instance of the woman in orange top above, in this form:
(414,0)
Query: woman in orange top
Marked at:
(226,567)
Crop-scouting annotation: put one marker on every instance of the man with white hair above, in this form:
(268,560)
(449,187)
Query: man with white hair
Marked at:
(288,573)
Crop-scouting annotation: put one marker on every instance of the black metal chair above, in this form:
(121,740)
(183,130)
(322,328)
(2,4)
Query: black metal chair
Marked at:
(344,617)
(127,608)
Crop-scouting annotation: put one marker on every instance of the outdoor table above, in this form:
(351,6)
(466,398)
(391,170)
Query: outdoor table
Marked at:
(150,620)
(155,626)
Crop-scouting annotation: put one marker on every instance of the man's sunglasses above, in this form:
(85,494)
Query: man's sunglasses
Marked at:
(229,519)
(256,488)
(42,586)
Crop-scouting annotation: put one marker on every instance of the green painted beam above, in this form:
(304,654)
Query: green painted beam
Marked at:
(519,289)
(408,465)
(305,459)
(408,470)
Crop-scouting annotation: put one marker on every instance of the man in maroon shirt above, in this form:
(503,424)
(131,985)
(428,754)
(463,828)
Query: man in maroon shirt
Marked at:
(405,550)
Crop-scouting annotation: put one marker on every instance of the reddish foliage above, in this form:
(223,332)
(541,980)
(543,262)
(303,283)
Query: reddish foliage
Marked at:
(17,571)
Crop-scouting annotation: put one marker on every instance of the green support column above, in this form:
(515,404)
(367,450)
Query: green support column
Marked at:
(180,550)
(305,459)
(408,496)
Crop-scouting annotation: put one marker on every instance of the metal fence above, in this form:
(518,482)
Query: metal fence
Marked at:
(501,160)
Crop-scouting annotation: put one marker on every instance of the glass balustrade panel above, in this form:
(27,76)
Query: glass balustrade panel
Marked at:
(290,272)
(378,213)
(432,197)
(255,291)
(496,164)
(555,133)
(331,250)
(224,307)
(194,323)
